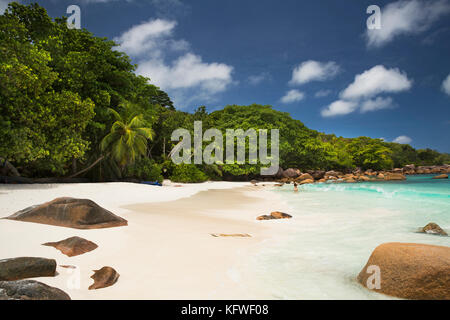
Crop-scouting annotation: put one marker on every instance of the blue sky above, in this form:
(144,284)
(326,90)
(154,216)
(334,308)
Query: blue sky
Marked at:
(316,60)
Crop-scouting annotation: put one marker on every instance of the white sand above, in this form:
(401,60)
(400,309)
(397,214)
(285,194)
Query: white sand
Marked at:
(165,252)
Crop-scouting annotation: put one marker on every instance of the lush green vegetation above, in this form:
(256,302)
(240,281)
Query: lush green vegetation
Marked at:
(72,106)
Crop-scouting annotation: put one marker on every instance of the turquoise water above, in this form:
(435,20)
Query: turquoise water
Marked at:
(336,227)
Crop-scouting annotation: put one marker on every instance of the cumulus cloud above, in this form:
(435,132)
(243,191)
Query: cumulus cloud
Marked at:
(258,78)
(375,81)
(322,93)
(339,107)
(314,71)
(292,96)
(171,64)
(186,72)
(145,36)
(406,17)
(446,85)
(376,104)
(363,92)
(402,140)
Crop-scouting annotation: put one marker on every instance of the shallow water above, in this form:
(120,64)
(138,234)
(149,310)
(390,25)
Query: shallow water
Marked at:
(336,227)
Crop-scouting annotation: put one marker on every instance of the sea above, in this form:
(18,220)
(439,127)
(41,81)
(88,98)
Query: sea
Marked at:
(334,229)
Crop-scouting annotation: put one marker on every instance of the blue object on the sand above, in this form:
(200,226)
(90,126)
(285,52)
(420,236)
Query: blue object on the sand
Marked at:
(152,183)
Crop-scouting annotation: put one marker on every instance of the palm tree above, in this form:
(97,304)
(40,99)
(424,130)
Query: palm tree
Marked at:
(127,139)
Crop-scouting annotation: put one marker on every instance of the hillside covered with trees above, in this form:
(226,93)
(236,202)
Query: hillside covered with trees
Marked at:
(72,106)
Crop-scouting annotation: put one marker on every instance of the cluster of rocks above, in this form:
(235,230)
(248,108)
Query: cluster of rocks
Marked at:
(64,212)
(295,175)
(412,169)
(311,176)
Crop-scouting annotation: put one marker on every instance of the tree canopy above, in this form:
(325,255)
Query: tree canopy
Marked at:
(65,91)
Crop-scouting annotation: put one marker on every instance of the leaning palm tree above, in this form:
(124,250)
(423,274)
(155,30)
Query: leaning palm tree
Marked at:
(127,139)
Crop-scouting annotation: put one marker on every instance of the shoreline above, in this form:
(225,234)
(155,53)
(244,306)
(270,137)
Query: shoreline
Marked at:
(166,251)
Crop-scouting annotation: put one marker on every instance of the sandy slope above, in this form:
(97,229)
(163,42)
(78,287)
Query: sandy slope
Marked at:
(166,251)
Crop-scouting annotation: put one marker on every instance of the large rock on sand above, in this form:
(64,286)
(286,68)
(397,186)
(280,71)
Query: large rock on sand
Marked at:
(71,213)
(291,173)
(105,277)
(30,290)
(410,271)
(73,246)
(26,267)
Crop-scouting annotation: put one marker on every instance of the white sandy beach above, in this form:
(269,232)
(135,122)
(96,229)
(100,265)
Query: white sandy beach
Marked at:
(165,252)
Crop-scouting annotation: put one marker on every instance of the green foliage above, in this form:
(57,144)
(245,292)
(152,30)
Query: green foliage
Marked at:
(68,97)
(39,127)
(188,173)
(128,137)
(145,169)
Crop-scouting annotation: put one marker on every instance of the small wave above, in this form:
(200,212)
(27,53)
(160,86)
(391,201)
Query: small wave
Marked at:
(388,191)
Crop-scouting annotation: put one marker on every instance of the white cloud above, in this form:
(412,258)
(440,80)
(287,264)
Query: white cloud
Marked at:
(403,140)
(292,96)
(258,78)
(314,71)
(362,92)
(146,36)
(339,107)
(186,72)
(446,85)
(376,104)
(406,17)
(171,64)
(322,93)
(375,81)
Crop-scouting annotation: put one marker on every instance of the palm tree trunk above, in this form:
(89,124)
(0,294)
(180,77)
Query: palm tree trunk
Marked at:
(88,168)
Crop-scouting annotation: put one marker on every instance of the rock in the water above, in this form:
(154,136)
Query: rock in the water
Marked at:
(70,212)
(30,290)
(275,215)
(433,228)
(26,267)
(441,176)
(105,277)
(307,181)
(305,176)
(73,246)
(409,270)
(394,176)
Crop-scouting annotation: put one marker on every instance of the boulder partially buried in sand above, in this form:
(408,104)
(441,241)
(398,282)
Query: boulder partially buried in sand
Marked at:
(105,277)
(71,213)
(409,270)
(433,228)
(73,246)
(30,290)
(26,267)
(275,215)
